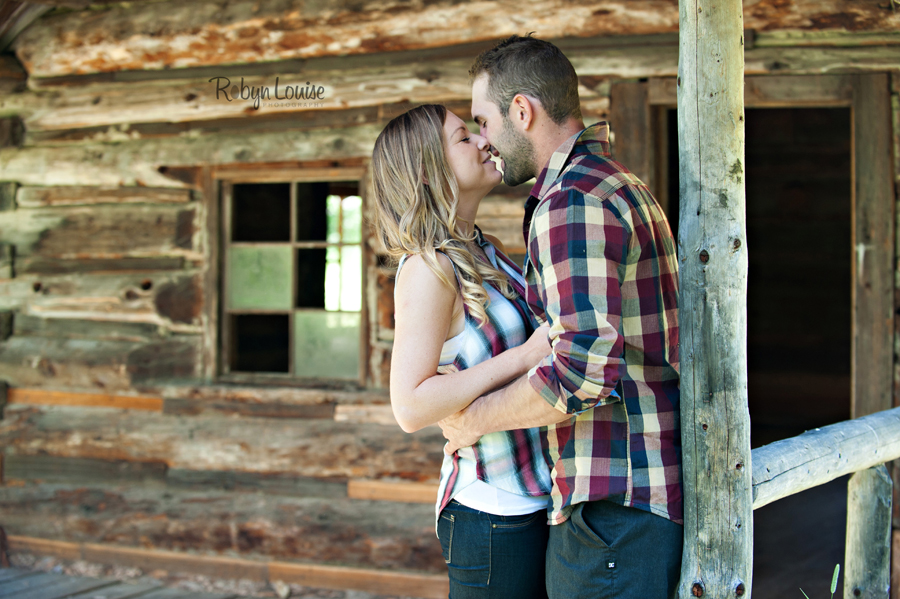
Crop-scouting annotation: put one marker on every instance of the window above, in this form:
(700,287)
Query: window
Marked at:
(292,279)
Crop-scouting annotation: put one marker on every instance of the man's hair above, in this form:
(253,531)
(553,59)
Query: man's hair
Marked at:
(533,67)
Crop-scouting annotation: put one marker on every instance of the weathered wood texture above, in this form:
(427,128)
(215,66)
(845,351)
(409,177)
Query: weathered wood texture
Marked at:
(38,197)
(110,366)
(718,550)
(793,465)
(406,584)
(138,162)
(171,35)
(391,491)
(62,587)
(67,398)
(313,448)
(631,128)
(771,91)
(107,232)
(336,531)
(867,564)
(873,243)
(191,105)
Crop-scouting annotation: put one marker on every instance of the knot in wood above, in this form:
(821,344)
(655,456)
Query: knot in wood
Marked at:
(697,589)
(704,256)
(739,465)
(737,244)
(857,592)
(739,591)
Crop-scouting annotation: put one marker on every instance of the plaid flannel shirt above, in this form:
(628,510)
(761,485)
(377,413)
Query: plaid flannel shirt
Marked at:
(601,268)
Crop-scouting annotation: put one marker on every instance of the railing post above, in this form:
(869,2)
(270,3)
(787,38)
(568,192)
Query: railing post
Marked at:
(712,251)
(867,562)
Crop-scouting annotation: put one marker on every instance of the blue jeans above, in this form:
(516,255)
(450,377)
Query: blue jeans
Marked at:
(605,551)
(493,557)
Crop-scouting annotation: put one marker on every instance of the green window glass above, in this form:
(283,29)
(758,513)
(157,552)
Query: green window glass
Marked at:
(293,279)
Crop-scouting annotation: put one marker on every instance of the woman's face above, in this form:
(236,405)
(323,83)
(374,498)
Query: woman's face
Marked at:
(467,153)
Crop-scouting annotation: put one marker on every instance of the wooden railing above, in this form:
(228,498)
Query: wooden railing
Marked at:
(859,447)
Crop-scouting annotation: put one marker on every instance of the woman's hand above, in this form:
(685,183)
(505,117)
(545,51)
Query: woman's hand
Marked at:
(536,348)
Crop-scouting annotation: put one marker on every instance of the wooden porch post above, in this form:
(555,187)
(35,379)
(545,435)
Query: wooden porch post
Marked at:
(712,250)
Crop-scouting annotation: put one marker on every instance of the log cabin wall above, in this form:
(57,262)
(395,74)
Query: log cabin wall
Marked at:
(114,151)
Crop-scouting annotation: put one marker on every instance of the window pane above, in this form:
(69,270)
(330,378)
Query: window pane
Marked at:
(326,344)
(312,215)
(334,218)
(261,343)
(259,278)
(352,208)
(261,212)
(311,277)
(343,279)
(351,278)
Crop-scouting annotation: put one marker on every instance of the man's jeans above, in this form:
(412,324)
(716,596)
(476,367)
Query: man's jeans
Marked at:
(606,551)
(493,557)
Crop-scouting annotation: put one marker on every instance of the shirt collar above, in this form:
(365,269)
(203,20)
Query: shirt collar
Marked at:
(592,140)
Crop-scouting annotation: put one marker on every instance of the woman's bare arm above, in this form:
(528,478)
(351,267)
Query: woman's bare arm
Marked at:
(424,314)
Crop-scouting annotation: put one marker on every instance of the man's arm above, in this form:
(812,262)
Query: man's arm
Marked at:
(578,248)
(512,407)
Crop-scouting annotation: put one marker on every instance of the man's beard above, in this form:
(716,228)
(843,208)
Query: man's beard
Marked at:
(518,156)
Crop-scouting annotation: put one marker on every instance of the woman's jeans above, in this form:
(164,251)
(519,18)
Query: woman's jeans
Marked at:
(493,556)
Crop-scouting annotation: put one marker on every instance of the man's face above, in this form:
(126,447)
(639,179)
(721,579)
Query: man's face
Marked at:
(510,144)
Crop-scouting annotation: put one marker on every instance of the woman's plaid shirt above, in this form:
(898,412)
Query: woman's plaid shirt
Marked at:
(601,268)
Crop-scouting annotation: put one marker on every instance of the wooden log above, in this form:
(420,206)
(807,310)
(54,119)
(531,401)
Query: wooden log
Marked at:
(112,366)
(39,197)
(100,232)
(42,468)
(118,297)
(177,37)
(712,250)
(772,91)
(312,448)
(138,162)
(867,561)
(278,484)
(873,242)
(259,410)
(44,397)
(333,531)
(284,395)
(392,491)
(793,465)
(146,36)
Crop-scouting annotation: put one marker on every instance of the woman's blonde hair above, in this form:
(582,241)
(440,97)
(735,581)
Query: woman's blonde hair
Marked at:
(415,204)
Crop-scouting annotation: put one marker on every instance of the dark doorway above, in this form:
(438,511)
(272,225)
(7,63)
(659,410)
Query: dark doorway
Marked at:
(799,235)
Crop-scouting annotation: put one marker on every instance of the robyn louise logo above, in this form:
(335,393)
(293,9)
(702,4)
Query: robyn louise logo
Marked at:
(300,96)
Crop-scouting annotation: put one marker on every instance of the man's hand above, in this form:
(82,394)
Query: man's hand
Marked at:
(457,431)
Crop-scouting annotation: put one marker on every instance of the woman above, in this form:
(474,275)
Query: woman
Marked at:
(459,312)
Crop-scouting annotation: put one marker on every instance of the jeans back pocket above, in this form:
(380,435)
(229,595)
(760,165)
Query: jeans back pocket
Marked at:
(445,535)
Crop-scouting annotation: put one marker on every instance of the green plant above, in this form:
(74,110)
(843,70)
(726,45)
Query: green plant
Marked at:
(834,579)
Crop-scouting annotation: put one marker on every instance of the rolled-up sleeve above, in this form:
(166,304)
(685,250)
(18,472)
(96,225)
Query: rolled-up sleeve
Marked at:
(579,248)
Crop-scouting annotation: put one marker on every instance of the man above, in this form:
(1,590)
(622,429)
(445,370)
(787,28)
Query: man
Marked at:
(601,269)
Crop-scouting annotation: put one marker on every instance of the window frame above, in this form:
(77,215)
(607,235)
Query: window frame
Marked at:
(222,182)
